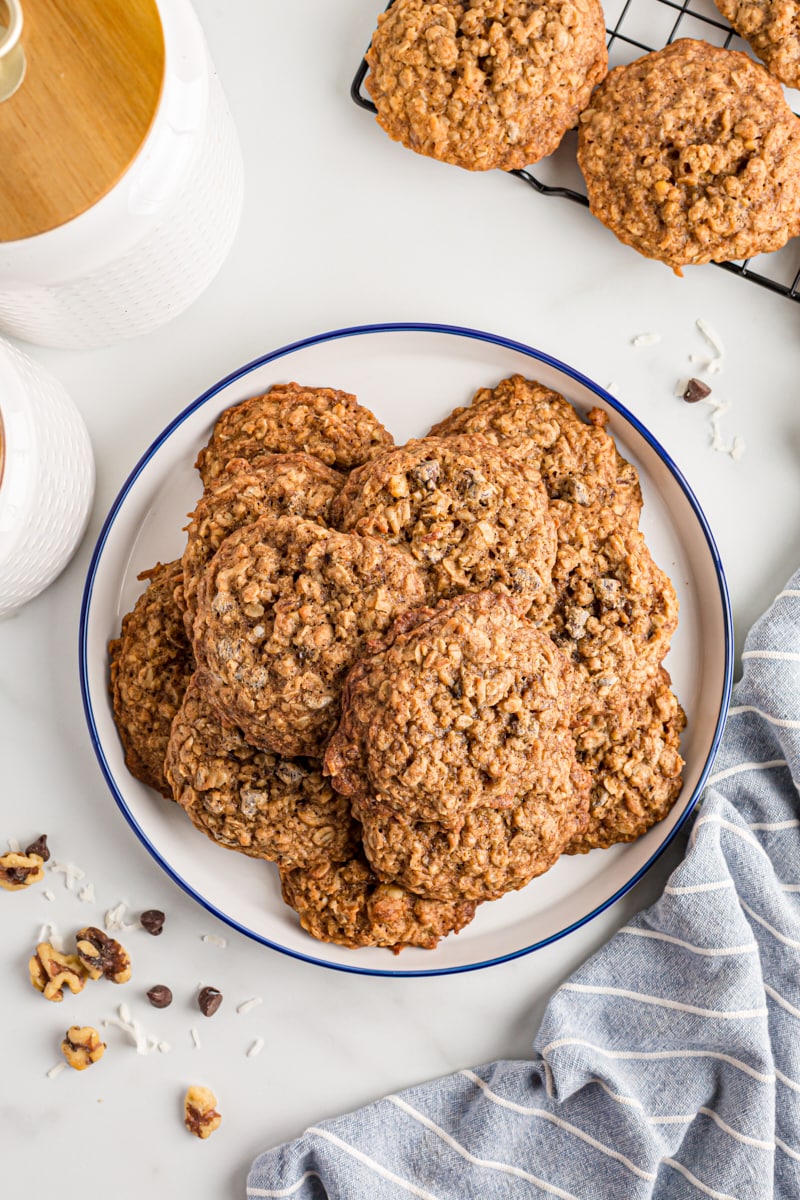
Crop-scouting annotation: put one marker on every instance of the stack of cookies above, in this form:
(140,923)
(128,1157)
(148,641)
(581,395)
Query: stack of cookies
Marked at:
(411,676)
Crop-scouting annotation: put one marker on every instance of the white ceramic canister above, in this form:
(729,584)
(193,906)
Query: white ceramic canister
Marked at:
(46,478)
(121,177)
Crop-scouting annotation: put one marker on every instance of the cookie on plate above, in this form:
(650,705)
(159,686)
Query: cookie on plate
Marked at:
(284,609)
(277,485)
(252,800)
(328,424)
(494,851)
(632,753)
(485,83)
(151,664)
(347,904)
(463,707)
(772,27)
(472,517)
(691,154)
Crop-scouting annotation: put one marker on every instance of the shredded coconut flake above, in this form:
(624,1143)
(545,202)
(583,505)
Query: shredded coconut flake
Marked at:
(214,940)
(48,895)
(256,1048)
(49,933)
(15,848)
(247,1005)
(71,873)
(86,894)
(738,447)
(680,387)
(133,1029)
(195,1036)
(115,919)
(56,1070)
(646,339)
(164,1047)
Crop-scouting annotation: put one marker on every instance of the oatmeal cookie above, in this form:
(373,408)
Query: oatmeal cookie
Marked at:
(632,753)
(278,485)
(485,83)
(252,800)
(578,460)
(494,851)
(691,154)
(347,904)
(772,27)
(473,518)
(151,663)
(460,708)
(330,425)
(283,611)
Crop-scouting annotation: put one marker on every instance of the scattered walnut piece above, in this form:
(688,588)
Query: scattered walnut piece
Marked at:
(52,971)
(82,1046)
(200,1115)
(19,871)
(102,955)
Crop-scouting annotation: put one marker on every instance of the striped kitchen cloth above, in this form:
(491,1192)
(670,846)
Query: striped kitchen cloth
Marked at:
(668,1066)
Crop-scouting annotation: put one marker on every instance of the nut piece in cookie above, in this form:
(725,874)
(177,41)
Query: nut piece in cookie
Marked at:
(151,663)
(82,1046)
(276,485)
(283,611)
(485,83)
(463,707)
(347,904)
(200,1114)
(329,424)
(253,800)
(18,871)
(772,27)
(473,518)
(51,972)
(102,956)
(691,154)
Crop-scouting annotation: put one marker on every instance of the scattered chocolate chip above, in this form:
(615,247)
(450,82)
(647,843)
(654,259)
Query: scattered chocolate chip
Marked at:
(39,847)
(696,390)
(160,996)
(153,921)
(209,1000)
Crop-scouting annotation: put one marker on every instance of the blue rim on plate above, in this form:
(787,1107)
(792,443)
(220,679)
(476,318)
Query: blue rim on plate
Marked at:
(408,327)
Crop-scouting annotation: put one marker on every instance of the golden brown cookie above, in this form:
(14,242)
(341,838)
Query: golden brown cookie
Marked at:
(632,753)
(473,518)
(485,83)
(151,664)
(772,27)
(464,707)
(347,904)
(495,850)
(276,485)
(252,800)
(328,424)
(691,154)
(283,611)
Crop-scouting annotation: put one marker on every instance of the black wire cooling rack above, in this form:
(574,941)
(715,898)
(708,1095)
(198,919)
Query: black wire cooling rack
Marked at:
(635,27)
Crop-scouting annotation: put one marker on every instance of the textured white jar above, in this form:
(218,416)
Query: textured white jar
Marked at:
(153,243)
(46,480)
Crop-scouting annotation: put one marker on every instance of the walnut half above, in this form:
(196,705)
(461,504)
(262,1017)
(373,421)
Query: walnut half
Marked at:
(82,1046)
(102,955)
(200,1115)
(19,871)
(52,971)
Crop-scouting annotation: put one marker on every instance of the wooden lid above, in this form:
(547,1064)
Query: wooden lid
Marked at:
(92,85)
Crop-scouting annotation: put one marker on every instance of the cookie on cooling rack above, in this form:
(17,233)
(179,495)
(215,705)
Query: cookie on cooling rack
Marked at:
(485,83)
(772,27)
(328,424)
(471,517)
(252,800)
(151,664)
(691,154)
(284,609)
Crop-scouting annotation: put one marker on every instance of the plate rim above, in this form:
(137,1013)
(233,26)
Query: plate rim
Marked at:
(335,335)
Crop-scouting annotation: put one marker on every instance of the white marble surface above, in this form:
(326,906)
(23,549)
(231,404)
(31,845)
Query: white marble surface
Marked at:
(340,227)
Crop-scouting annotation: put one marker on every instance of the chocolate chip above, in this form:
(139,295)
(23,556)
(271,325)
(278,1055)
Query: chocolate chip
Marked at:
(160,996)
(696,390)
(209,1000)
(39,847)
(153,921)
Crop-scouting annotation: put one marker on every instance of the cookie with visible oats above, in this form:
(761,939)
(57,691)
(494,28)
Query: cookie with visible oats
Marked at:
(288,419)
(691,154)
(278,485)
(632,754)
(284,609)
(472,517)
(252,800)
(347,904)
(485,83)
(494,851)
(772,27)
(463,707)
(151,664)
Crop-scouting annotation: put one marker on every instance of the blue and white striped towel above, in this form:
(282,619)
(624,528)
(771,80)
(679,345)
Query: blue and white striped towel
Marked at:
(668,1066)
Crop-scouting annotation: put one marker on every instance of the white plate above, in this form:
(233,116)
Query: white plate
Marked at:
(410,376)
